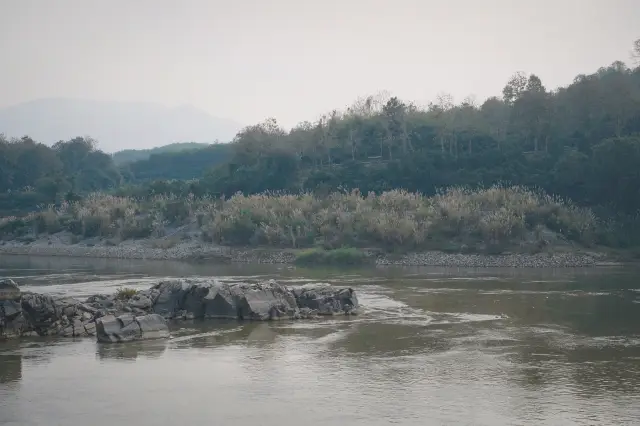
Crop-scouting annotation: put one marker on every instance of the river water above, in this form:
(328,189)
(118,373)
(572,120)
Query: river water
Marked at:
(432,346)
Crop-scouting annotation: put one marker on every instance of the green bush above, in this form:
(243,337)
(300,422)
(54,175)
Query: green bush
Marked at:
(338,257)
(14,227)
(47,222)
(125,293)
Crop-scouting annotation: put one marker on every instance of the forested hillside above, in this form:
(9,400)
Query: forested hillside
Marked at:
(580,142)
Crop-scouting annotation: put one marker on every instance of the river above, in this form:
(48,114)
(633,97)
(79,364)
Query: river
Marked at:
(432,346)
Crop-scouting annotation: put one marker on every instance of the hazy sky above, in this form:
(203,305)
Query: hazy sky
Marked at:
(294,59)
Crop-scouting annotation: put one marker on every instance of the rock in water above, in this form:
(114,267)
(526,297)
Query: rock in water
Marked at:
(211,299)
(264,301)
(220,303)
(40,311)
(9,290)
(12,322)
(143,316)
(127,328)
(326,299)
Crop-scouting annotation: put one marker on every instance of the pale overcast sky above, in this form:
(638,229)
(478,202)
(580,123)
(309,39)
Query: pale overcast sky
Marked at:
(294,59)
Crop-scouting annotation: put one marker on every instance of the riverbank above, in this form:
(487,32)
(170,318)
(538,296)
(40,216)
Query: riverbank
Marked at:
(198,251)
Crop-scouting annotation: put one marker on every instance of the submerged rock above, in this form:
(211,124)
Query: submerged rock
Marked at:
(127,328)
(144,315)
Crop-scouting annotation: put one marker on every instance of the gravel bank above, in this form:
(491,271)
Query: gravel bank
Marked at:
(198,251)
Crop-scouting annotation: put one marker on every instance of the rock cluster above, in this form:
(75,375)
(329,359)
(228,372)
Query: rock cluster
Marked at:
(111,329)
(558,260)
(113,318)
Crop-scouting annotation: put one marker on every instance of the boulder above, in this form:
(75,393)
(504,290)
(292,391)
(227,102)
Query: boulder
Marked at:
(15,326)
(40,311)
(62,316)
(9,290)
(326,299)
(9,309)
(220,303)
(264,301)
(127,328)
(210,299)
(171,297)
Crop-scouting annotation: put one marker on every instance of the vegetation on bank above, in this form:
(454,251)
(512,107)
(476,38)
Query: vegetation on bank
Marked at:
(133,155)
(580,142)
(393,220)
(344,256)
(125,293)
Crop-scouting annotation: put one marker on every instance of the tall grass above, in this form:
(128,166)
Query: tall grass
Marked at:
(393,219)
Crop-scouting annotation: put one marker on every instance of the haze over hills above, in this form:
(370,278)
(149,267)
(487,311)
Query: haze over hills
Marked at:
(115,125)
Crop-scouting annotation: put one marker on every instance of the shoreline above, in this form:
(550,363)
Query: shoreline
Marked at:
(193,251)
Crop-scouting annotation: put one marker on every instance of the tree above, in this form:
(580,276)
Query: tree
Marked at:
(514,88)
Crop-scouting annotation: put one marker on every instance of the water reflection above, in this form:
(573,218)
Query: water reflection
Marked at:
(131,351)
(10,368)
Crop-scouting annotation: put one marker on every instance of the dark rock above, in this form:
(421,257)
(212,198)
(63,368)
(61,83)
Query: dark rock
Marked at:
(9,309)
(143,316)
(190,299)
(153,326)
(9,290)
(220,303)
(88,309)
(127,328)
(326,299)
(171,298)
(40,311)
(15,327)
(264,301)
(141,301)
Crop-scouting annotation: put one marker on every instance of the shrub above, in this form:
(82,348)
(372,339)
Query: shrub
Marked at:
(47,221)
(394,220)
(341,256)
(125,293)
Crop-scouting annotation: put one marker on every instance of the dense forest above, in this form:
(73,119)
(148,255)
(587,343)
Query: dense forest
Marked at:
(580,142)
(33,174)
(183,164)
(130,155)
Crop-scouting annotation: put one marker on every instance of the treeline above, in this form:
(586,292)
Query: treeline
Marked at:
(33,174)
(579,141)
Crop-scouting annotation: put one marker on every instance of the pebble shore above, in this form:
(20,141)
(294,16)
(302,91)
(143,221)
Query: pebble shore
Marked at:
(198,251)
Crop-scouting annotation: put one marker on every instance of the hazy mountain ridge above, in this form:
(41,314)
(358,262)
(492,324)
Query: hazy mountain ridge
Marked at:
(115,125)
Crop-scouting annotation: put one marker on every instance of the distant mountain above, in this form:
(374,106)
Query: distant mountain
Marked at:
(131,155)
(115,125)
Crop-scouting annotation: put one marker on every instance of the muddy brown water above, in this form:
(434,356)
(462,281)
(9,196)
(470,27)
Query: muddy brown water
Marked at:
(433,346)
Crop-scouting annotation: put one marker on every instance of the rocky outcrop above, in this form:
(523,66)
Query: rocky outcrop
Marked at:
(326,299)
(115,319)
(127,328)
(12,321)
(198,299)
(9,290)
